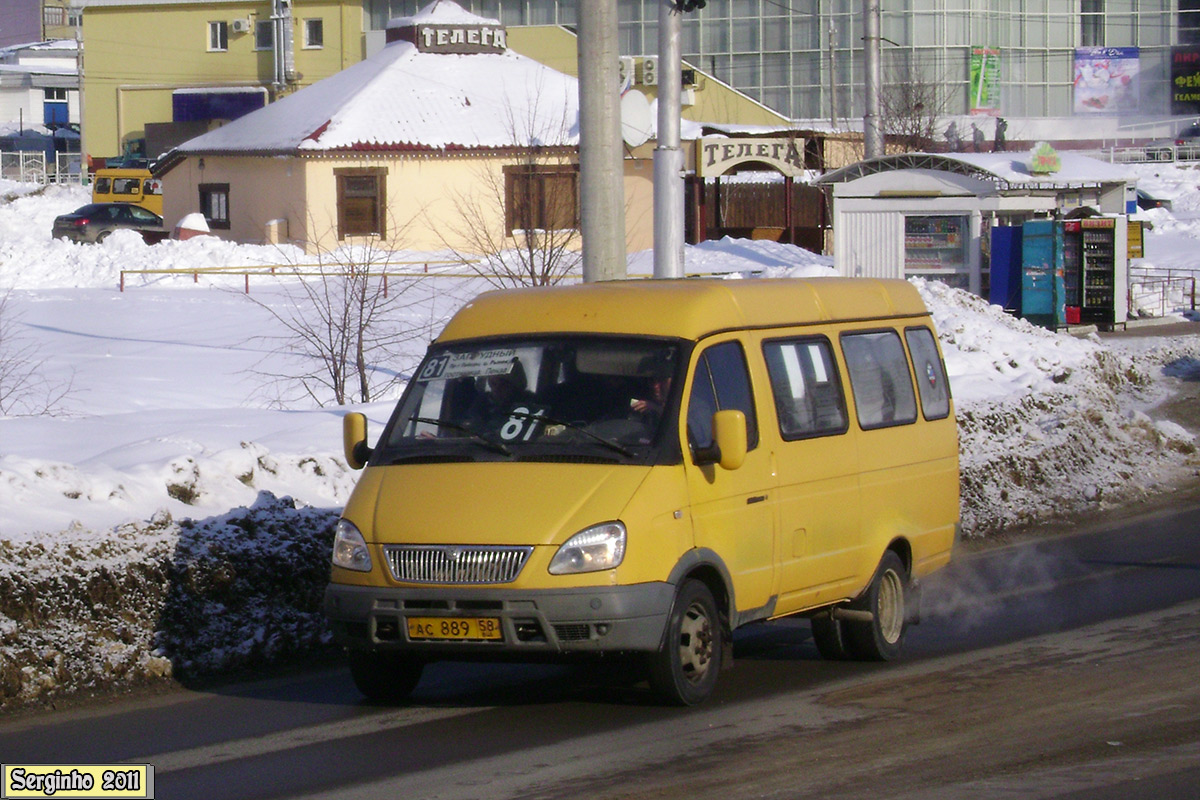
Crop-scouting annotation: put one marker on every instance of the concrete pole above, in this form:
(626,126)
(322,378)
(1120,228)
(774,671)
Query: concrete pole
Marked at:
(668,155)
(601,168)
(872,132)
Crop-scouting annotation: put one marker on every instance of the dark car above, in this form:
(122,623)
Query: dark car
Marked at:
(95,221)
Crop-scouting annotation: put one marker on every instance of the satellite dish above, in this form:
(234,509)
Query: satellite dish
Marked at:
(635,118)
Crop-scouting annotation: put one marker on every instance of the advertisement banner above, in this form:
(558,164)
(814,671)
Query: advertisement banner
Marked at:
(1106,80)
(1185,80)
(985,81)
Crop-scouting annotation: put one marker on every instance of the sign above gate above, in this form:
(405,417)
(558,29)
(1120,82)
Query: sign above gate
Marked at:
(716,155)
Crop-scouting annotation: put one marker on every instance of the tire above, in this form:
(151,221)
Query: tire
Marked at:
(100,239)
(385,677)
(829,635)
(880,639)
(684,670)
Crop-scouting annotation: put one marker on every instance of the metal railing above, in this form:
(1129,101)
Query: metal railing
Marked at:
(1161,291)
(312,271)
(1149,154)
(31,166)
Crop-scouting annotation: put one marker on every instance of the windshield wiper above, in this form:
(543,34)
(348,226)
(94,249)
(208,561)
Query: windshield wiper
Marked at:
(609,443)
(488,442)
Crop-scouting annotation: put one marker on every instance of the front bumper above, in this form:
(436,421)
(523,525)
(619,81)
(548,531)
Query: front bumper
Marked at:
(588,620)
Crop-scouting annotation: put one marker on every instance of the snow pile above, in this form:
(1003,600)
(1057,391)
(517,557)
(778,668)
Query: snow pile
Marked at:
(1049,425)
(92,611)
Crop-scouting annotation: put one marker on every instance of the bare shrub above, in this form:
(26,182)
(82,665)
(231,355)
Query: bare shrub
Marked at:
(24,391)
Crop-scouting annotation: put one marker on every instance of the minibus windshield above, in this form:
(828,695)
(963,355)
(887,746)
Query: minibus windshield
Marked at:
(546,398)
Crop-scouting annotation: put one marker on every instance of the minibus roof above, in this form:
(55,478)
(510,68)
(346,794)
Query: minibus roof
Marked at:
(686,308)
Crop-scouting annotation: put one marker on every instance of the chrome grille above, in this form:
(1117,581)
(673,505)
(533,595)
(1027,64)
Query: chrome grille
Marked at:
(455,563)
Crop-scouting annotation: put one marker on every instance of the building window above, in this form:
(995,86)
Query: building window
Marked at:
(218,37)
(1091,23)
(54,16)
(314,33)
(361,199)
(214,204)
(541,197)
(264,34)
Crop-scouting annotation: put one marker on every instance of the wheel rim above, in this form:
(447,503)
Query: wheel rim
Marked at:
(695,643)
(890,611)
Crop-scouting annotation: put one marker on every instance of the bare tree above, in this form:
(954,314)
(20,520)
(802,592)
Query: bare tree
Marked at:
(351,322)
(519,225)
(24,392)
(911,105)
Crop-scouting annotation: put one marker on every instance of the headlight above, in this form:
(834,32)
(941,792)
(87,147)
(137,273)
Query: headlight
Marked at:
(350,548)
(593,549)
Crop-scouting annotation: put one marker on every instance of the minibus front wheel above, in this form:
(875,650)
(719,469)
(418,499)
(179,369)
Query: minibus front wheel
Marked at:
(684,670)
(385,677)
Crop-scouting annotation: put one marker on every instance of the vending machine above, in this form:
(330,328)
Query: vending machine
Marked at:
(1042,284)
(1090,274)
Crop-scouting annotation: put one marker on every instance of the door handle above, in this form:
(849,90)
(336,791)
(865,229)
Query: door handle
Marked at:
(756,499)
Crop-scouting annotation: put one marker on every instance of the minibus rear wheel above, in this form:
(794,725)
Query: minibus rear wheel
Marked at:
(385,677)
(684,670)
(829,635)
(880,639)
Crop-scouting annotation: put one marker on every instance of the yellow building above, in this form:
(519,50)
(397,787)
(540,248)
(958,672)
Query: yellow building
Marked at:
(167,70)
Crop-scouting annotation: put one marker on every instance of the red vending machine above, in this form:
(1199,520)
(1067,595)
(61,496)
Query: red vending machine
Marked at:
(1089,270)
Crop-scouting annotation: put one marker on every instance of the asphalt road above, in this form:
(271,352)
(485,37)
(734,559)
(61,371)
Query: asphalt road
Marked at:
(1061,667)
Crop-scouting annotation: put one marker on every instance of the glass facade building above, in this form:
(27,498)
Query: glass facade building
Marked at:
(804,58)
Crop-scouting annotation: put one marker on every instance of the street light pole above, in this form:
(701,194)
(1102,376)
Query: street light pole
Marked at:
(668,154)
(601,165)
(872,132)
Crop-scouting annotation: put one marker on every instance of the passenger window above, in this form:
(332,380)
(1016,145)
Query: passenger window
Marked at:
(880,379)
(103,185)
(722,382)
(931,373)
(807,391)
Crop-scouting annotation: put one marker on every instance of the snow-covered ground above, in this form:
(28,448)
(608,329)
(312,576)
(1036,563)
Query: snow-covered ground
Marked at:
(171,512)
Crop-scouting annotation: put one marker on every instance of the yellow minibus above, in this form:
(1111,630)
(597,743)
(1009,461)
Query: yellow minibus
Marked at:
(643,467)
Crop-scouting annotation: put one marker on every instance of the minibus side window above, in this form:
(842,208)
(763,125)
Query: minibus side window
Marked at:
(722,382)
(930,372)
(806,387)
(880,379)
(103,185)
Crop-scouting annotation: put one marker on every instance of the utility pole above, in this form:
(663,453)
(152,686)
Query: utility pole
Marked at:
(601,167)
(668,154)
(872,132)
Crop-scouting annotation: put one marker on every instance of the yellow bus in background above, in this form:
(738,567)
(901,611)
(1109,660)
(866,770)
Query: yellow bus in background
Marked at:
(128,185)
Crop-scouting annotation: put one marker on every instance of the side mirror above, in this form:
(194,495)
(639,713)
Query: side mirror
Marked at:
(354,440)
(729,435)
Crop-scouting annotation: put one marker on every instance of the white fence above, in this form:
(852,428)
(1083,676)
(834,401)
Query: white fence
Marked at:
(31,166)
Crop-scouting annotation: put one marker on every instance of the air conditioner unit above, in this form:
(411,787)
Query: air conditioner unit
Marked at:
(650,71)
(625,72)
(240,26)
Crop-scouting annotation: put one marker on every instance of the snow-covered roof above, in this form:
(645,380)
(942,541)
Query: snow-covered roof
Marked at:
(1008,168)
(404,99)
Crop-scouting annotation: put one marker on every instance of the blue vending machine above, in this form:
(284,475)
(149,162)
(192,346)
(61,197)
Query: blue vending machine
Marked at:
(1043,297)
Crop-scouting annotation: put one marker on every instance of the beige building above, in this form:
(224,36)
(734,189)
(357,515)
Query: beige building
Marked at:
(166,70)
